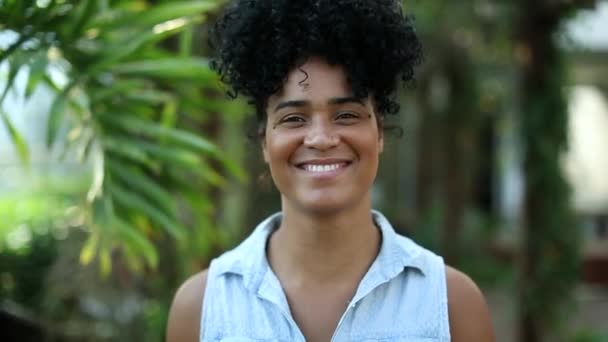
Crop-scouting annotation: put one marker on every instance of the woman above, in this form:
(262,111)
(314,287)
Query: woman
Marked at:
(327,268)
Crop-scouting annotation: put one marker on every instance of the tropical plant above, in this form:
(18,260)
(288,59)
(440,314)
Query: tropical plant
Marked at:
(135,104)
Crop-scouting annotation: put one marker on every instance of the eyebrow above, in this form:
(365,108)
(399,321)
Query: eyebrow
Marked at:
(332,101)
(344,100)
(292,103)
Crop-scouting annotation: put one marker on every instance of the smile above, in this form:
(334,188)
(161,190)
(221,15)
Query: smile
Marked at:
(321,168)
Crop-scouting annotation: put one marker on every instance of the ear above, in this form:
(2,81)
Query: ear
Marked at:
(265,152)
(261,131)
(264,149)
(380,134)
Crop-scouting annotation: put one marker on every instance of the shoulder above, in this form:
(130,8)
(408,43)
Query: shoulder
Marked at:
(185,314)
(468,312)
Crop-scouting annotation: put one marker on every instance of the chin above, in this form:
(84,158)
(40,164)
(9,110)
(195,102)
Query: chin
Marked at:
(324,206)
(322,210)
(324,201)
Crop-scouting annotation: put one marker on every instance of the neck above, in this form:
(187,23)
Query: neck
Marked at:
(311,248)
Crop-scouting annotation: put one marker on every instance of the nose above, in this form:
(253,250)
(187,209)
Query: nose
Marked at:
(321,136)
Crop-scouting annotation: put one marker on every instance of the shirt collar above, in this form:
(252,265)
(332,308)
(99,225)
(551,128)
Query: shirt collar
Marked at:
(396,253)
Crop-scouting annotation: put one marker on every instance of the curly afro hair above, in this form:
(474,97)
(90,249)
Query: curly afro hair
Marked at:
(258,42)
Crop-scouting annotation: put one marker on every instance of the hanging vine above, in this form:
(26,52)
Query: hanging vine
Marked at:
(550,243)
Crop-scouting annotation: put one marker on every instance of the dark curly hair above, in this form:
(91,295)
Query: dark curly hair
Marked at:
(258,42)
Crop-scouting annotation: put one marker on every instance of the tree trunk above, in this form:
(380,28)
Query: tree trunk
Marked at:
(549,250)
(459,129)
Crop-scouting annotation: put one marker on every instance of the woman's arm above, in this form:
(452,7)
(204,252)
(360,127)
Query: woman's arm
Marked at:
(469,315)
(185,314)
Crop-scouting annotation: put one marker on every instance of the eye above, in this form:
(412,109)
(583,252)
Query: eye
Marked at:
(292,120)
(347,117)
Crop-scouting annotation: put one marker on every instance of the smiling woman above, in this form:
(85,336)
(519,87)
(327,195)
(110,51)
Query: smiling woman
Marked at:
(327,267)
(321,143)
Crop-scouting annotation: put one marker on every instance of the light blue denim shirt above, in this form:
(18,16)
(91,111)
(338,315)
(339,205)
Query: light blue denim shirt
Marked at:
(402,297)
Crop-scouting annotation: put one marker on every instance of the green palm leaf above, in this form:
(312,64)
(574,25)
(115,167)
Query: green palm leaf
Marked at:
(138,100)
(20,144)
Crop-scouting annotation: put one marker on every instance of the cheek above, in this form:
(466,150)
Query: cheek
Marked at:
(365,141)
(279,148)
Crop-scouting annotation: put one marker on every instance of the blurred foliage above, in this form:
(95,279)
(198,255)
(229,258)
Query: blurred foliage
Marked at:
(551,240)
(135,99)
(139,106)
(485,60)
(589,336)
(458,111)
(24,287)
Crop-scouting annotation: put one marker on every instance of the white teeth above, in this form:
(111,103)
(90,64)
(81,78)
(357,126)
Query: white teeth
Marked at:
(321,168)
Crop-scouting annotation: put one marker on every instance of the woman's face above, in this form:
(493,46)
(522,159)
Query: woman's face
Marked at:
(321,144)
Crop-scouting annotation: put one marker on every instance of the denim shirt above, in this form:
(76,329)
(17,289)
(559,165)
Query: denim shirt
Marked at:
(402,297)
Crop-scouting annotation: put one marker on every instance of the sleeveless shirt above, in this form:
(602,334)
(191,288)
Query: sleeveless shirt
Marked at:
(402,297)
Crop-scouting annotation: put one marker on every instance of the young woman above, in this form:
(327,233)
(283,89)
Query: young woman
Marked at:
(327,267)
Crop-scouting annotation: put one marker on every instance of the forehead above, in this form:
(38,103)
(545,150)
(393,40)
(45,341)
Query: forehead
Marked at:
(314,80)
